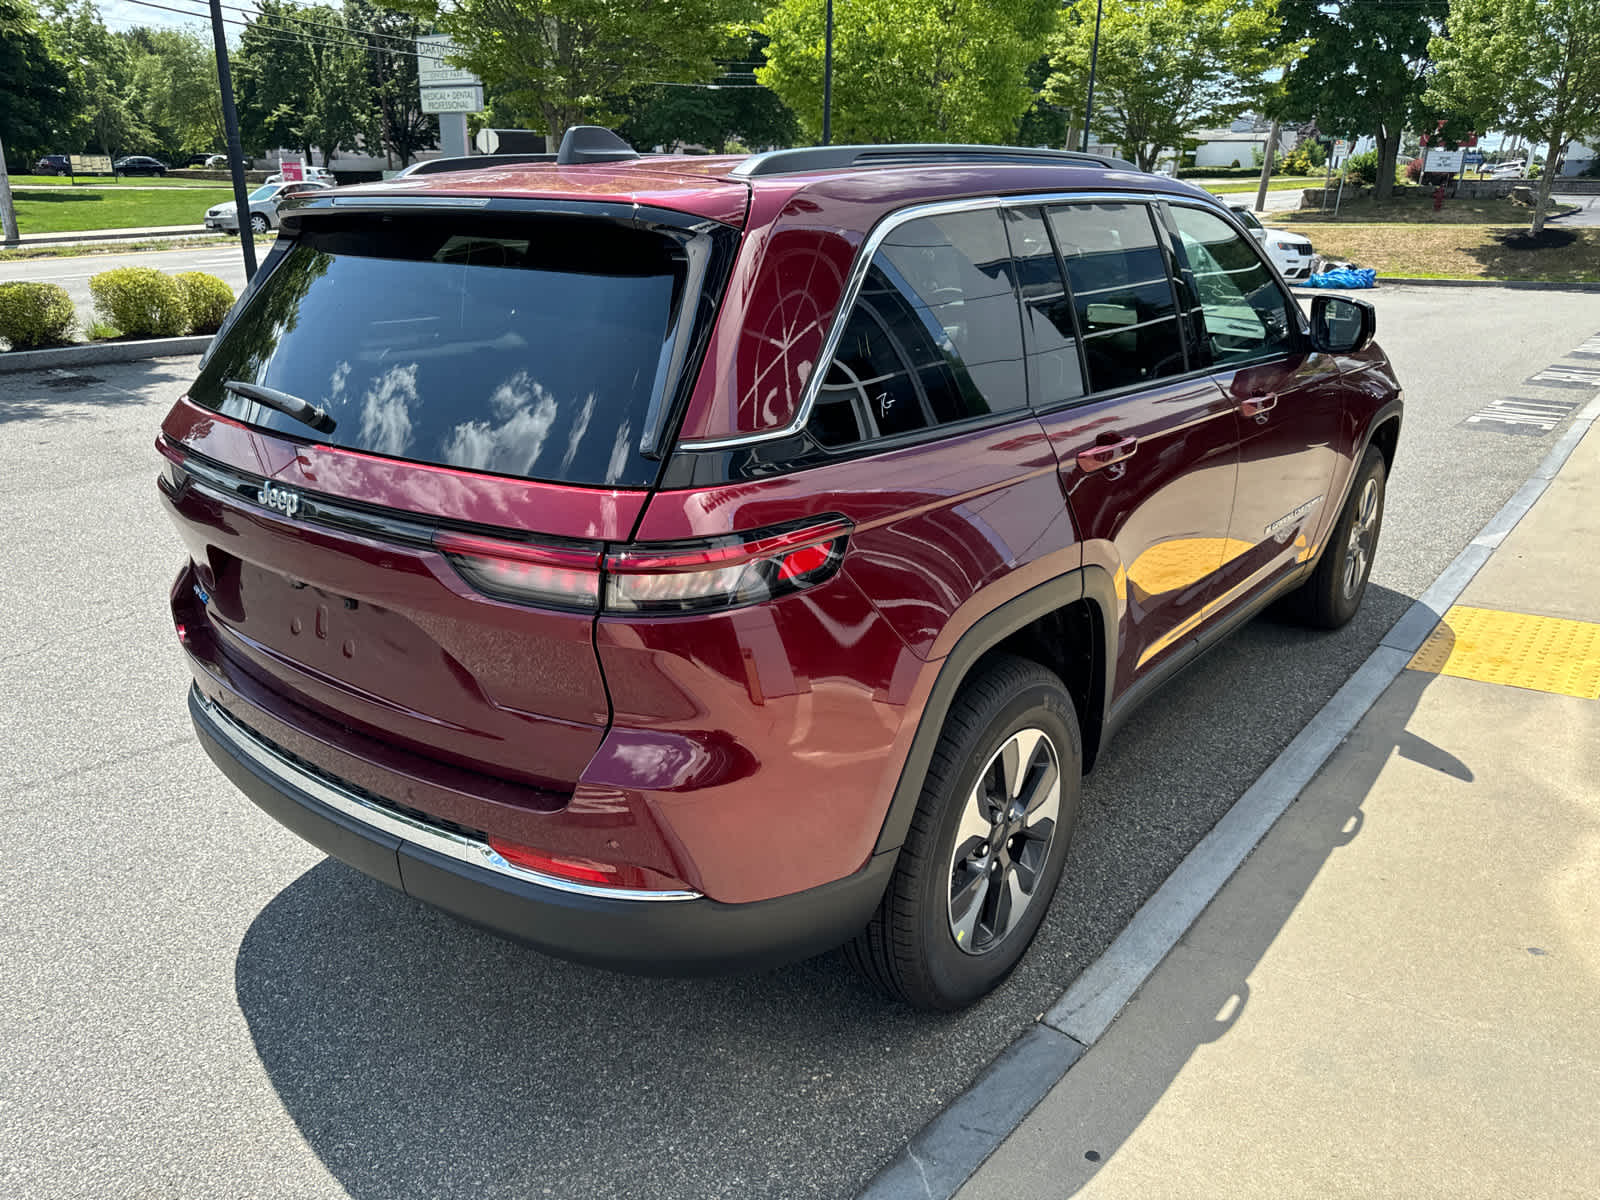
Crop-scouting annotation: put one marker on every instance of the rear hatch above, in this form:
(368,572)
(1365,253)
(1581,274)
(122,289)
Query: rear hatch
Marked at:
(398,467)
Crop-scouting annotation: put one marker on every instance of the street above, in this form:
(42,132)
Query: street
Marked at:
(197,1004)
(73,273)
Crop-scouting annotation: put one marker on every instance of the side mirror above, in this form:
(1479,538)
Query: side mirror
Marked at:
(1340,325)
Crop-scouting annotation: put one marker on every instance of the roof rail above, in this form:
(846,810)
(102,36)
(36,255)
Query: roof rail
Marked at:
(471,162)
(833,158)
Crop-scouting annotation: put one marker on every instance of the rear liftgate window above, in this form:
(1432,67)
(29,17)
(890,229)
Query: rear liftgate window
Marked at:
(536,348)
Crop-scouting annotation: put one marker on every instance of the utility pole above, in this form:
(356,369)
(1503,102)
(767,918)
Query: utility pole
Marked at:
(1266,166)
(827,77)
(8,211)
(230,119)
(1094,59)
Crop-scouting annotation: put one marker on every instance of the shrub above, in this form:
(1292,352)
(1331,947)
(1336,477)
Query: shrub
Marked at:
(35,314)
(1362,167)
(206,299)
(140,300)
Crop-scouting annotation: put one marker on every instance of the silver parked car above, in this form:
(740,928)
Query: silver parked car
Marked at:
(264,203)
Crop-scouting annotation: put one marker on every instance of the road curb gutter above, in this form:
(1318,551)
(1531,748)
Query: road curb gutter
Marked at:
(93,353)
(951,1147)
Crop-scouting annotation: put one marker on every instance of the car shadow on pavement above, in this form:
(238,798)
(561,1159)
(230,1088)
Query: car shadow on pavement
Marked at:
(66,393)
(1203,1004)
(421,1057)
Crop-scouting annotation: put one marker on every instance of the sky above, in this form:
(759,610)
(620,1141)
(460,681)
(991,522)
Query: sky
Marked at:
(125,14)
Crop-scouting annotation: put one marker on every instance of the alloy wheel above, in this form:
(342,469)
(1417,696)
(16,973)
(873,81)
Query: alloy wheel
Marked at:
(1358,552)
(1003,840)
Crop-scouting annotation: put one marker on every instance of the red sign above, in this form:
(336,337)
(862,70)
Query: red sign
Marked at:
(293,172)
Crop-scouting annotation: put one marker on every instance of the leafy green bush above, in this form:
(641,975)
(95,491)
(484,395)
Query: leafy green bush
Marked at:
(1362,167)
(35,314)
(1305,159)
(140,301)
(206,298)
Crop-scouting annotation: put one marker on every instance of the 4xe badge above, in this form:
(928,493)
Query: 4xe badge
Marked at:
(282,499)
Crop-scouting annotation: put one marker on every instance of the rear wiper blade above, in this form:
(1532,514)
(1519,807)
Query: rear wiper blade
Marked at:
(289,406)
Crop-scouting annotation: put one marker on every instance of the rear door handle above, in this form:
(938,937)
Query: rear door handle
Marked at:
(1097,457)
(1258,406)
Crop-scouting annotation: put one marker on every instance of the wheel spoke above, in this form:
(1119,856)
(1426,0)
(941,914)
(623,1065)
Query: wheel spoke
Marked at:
(1018,757)
(1007,902)
(975,822)
(967,903)
(1044,791)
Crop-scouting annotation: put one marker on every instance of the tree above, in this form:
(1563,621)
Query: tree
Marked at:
(175,91)
(1531,67)
(34,97)
(735,109)
(395,119)
(1365,69)
(301,80)
(1166,67)
(558,63)
(909,70)
(100,71)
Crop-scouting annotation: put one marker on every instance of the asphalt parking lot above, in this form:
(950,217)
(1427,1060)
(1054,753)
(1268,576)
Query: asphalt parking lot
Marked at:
(196,1004)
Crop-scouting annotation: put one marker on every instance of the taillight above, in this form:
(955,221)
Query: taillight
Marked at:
(724,572)
(661,577)
(578,870)
(525,573)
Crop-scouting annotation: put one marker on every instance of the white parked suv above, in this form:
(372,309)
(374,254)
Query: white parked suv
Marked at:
(1289,252)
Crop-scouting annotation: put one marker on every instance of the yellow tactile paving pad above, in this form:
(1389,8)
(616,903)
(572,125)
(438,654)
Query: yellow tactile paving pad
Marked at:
(1543,654)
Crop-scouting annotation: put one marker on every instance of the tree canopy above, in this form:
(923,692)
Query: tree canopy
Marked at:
(1165,68)
(558,63)
(34,96)
(1530,67)
(909,70)
(1364,70)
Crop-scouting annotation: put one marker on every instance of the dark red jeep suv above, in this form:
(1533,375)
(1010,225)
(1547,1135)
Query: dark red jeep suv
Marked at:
(688,564)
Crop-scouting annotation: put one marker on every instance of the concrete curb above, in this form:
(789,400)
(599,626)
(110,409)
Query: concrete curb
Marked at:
(101,352)
(951,1147)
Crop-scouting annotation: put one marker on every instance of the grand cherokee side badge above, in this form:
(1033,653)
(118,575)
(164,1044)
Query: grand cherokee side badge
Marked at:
(282,499)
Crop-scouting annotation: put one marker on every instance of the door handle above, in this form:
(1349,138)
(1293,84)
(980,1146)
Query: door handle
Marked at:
(1103,455)
(1259,406)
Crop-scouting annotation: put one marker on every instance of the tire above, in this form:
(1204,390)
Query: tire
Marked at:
(259,223)
(1334,592)
(948,930)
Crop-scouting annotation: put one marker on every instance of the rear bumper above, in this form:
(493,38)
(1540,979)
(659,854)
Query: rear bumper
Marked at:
(664,933)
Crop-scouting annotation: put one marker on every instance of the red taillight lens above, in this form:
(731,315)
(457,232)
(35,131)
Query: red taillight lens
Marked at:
(525,573)
(676,577)
(578,870)
(726,572)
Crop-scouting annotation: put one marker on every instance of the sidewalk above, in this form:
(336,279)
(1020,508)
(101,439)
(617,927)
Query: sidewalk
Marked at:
(74,237)
(1398,993)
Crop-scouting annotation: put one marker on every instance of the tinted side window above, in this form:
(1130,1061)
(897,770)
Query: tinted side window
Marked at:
(1243,312)
(1123,297)
(933,336)
(1050,334)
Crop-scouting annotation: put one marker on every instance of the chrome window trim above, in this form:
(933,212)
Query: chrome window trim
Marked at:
(863,262)
(460,847)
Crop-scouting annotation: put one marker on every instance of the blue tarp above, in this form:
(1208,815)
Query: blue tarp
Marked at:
(1344,277)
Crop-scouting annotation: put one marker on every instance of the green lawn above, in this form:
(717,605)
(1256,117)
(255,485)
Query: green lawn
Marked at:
(44,211)
(1452,250)
(1279,183)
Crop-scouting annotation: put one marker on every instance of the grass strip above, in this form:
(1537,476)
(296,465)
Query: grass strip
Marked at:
(1454,251)
(78,210)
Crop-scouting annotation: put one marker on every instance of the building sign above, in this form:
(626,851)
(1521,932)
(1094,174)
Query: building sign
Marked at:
(89,164)
(468,99)
(1442,162)
(433,71)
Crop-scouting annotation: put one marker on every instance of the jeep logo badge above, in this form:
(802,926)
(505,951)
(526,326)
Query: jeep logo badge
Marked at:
(282,499)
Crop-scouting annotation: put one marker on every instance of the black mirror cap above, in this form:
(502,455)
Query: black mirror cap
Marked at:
(1341,324)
